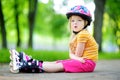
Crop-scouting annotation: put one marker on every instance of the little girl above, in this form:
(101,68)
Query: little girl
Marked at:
(83,49)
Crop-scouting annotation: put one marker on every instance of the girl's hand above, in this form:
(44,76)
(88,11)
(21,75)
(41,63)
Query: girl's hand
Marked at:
(82,60)
(73,56)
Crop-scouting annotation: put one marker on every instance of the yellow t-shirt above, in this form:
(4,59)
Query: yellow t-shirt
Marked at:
(91,47)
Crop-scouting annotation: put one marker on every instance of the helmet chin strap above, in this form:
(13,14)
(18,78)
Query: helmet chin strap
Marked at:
(76,32)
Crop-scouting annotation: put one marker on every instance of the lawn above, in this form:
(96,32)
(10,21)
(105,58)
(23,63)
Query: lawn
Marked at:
(51,55)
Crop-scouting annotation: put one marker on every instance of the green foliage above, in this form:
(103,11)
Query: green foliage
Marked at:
(45,21)
(43,17)
(48,22)
(112,8)
(58,28)
(108,31)
(9,12)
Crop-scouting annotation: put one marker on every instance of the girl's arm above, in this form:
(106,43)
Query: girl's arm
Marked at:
(73,56)
(78,53)
(80,49)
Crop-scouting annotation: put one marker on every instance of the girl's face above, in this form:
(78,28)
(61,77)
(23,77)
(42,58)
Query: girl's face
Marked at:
(77,23)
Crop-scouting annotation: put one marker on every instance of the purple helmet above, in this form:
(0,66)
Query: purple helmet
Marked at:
(80,11)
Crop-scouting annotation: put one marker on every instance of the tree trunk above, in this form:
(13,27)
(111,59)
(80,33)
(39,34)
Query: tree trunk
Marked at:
(17,23)
(31,20)
(3,30)
(99,11)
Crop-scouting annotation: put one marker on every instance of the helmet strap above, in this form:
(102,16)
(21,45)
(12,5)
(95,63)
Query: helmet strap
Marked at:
(76,32)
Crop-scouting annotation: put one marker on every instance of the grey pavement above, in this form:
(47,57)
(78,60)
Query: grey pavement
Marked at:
(105,70)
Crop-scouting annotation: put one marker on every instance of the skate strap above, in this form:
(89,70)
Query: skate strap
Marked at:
(31,66)
(36,64)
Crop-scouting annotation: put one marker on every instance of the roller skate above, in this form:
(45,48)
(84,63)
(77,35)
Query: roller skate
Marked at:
(19,63)
(16,58)
(18,55)
(14,64)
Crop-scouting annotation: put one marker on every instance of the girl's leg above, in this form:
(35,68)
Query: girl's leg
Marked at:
(23,62)
(52,67)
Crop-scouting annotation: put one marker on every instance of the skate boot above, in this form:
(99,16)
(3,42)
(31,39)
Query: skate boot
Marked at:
(19,63)
(14,64)
(14,68)
(31,66)
(21,55)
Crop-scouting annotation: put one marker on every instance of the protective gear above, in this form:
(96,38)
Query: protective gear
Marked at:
(76,32)
(80,11)
(31,66)
(19,63)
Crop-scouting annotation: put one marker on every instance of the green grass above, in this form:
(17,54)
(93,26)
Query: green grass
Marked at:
(51,55)
(37,54)
(108,56)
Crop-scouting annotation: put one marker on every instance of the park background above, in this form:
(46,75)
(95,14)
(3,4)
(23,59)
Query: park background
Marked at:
(40,27)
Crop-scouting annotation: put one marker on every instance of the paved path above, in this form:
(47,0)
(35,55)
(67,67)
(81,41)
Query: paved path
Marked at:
(105,70)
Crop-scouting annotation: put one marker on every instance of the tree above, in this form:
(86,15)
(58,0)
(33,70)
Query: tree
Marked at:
(17,23)
(99,11)
(114,14)
(31,19)
(57,26)
(2,25)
